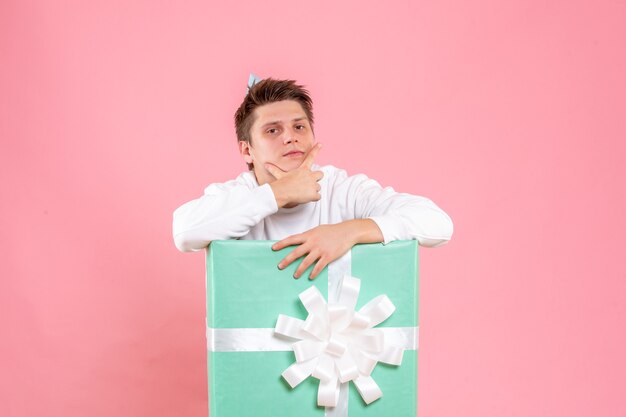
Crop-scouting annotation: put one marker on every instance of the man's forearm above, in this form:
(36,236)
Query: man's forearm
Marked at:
(228,214)
(363,231)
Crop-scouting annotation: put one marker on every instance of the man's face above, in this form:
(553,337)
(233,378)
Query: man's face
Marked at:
(281,135)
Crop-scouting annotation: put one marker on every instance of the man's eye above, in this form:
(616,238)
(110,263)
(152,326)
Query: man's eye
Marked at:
(300,127)
(272,131)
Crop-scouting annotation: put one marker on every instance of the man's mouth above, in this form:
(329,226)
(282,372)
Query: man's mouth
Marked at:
(294,153)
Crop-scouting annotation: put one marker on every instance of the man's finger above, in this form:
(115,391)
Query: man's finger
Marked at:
(293,255)
(288,241)
(275,171)
(306,262)
(310,158)
(317,269)
(318,175)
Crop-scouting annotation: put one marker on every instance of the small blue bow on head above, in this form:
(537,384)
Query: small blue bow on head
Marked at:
(253,79)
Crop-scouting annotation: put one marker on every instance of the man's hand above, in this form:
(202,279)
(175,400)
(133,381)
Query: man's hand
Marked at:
(298,186)
(326,243)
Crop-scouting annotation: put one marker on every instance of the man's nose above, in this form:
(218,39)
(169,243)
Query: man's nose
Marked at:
(290,136)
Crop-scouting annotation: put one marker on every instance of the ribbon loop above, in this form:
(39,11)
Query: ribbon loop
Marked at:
(339,317)
(289,326)
(364,362)
(328,393)
(299,371)
(316,326)
(325,369)
(348,369)
(378,310)
(336,347)
(349,292)
(370,340)
(359,322)
(308,349)
(313,300)
(368,388)
(392,355)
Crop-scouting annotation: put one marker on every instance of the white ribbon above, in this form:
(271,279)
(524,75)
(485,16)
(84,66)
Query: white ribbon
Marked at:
(336,343)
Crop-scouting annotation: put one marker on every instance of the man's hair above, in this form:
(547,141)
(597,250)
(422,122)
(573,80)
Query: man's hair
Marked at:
(266,92)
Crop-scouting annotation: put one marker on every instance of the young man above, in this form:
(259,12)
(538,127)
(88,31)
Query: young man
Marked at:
(286,197)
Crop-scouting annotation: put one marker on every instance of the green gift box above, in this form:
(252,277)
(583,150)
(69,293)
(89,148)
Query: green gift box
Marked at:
(246,290)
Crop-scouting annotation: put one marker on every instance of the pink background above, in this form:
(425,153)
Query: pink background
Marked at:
(509,116)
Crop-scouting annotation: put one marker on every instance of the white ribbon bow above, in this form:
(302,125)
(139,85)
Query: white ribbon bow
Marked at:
(338,344)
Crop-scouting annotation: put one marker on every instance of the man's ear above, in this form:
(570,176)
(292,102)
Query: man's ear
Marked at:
(244,150)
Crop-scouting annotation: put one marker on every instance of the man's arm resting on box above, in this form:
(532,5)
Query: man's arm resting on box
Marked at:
(384,214)
(400,216)
(227,211)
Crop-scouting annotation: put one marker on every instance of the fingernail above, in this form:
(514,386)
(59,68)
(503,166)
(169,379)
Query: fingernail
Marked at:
(295,277)
(279,267)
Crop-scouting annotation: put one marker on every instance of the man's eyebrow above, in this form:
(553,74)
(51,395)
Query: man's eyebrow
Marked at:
(277,122)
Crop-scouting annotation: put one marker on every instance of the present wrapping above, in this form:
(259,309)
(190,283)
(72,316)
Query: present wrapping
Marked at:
(246,293)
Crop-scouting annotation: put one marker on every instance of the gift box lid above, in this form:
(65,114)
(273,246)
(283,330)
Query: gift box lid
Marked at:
(245,288)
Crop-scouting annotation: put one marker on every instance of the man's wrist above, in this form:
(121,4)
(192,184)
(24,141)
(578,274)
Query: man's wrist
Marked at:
(279,195)
(364,231)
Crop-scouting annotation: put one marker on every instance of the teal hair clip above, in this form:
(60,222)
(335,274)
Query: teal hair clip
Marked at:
(252,80)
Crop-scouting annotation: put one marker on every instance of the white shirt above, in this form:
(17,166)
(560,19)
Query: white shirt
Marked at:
(241,209)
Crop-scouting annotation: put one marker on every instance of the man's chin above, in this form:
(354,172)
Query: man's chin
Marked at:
(289,165)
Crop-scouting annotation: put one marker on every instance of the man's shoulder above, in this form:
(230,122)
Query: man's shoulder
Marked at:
(340,176)
(330,170)
(246,179)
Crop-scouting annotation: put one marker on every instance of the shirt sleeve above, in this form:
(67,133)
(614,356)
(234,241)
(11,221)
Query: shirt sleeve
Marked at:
(399,216)
(225,211)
